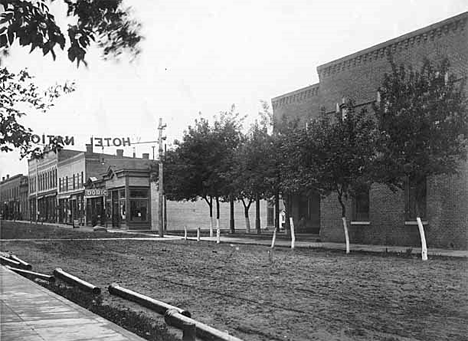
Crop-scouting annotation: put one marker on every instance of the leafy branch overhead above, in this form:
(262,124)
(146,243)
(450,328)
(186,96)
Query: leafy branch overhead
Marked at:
(107,23)
(18,94)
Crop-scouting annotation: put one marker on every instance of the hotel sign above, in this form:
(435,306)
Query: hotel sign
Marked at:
(44,139)
(110,141)
(96,192)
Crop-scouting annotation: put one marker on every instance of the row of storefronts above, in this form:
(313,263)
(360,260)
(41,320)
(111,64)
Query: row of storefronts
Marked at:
(82,188)
(14,197)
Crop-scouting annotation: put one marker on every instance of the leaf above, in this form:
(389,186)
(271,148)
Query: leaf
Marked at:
(71,54)
(11,36)
(6,18)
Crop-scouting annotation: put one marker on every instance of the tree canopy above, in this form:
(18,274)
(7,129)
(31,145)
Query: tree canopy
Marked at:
(423,122)
(107,23)
(17,95)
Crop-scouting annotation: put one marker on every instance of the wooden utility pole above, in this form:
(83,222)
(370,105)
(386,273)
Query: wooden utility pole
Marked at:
(161,178)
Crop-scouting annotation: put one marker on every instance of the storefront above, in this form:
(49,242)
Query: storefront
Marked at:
(71,209)
(47,210)
(96,210)
(126,204)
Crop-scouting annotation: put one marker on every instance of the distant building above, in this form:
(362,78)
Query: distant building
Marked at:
(66,193)
(381,216)
(13,197)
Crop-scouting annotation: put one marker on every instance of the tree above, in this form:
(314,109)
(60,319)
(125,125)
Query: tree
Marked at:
(18,94)
(107,23)
(423,122)
(333,155)
(226,139)
(200,166)
(251,168)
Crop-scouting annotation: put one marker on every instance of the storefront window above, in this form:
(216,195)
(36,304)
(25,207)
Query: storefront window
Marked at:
(138,210)
(139,204)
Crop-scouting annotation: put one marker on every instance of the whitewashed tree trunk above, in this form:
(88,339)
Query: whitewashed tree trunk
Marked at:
(218,235)
(423,239)
(273,240)
(293,233)
(345,227)
(198,234)
(185,232)
(211,226)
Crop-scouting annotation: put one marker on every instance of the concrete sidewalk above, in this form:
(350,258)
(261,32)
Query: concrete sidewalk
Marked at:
(33,313)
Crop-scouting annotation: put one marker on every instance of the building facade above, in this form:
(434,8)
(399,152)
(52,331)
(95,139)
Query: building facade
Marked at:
(14,197)
(42,180)
(382,216)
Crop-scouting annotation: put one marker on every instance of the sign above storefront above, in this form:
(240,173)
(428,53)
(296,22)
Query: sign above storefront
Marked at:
(48,139)
(110,141)
(96,192)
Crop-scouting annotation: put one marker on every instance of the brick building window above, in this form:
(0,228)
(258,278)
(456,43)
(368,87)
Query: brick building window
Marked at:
(66,183)
(360,205)
(412,191)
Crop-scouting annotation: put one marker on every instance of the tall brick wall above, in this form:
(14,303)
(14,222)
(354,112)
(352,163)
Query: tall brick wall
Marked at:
(358,76)
(447,206)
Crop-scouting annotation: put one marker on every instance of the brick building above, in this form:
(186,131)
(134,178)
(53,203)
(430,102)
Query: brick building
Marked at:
(42,180)
(81,173)
(14,197)
(385,217)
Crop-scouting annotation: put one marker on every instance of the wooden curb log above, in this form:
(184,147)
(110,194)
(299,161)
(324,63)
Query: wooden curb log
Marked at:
(10,262)
(23,264)
(32,274)
(148,302)
(66,277)
(203,331)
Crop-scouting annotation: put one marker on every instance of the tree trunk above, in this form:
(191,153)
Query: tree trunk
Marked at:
(273,240)
(217,215)
(277,212)
(210,205)
(247,219)
(246,214)
(293,234)
(343,218)
(232,223)
(257,214)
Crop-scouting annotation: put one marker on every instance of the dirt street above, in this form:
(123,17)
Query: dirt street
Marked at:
(284,295)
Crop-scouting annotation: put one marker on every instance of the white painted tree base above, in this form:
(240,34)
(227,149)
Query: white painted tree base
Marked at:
(273,240)
(423,239)
(293,234)
(345,227)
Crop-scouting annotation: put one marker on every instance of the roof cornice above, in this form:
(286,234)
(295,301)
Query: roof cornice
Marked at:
(297,95)
(404,42)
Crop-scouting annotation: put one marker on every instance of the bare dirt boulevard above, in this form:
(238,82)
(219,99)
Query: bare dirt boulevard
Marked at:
(290,295)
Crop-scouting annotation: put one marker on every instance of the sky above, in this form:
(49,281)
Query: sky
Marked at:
(202,57)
